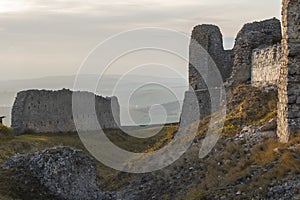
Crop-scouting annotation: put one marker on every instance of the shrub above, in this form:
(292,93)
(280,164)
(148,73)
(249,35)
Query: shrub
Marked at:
(5,130)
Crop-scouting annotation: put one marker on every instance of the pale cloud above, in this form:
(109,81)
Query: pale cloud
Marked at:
(7,6)
(53,37)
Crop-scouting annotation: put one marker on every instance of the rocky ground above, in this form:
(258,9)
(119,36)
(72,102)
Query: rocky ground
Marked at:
(287,188)
(61,172)
(248,162)
(236,169)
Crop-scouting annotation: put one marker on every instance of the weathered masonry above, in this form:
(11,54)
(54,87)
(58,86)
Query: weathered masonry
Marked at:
(251,36)
(266,65)
(206,38)
(263,55)
(255,53)
(51,111)
(289,80)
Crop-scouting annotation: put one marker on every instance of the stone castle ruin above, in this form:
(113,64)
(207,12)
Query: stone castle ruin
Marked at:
(251,58)
(51,111)
(263,56)
(266,64)
(289,79)
(252,36)
(256,47)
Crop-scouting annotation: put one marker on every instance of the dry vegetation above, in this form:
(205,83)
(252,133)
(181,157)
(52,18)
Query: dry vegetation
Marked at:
(230,168)
(5,129)
(249,106)
(28,143)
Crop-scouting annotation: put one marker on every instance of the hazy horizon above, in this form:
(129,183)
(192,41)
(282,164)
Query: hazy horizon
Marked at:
(144,97)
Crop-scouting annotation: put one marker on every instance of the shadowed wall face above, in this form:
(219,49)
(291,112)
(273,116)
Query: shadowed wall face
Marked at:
(289,81)
(51,111)
(206,50)
(250,37)
(1,120)
(210,38)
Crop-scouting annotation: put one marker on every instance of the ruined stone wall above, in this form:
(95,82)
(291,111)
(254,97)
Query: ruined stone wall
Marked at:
(256,57)
(51,111)
(250,37)
(206,39)
(210,38)
(289,80)
(266,64)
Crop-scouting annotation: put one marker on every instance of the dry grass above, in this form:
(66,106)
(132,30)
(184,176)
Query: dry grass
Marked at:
(168,136)
(109,178)
(5,129)
(264,153)
(232,166)
(228,169)
(232,169)
(248,105)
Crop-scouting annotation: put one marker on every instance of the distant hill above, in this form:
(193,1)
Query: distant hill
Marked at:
(58,82)
(162,91)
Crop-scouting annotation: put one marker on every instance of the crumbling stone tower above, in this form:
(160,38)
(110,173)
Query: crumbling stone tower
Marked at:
(289,81)
(205,39)
(211,39)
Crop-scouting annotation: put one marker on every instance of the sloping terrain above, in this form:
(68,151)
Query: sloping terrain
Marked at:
(246,163)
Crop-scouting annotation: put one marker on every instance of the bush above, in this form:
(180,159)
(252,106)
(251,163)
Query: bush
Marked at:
(5,130)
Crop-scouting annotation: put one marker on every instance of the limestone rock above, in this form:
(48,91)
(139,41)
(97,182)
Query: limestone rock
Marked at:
(254,135)
(66,173)
(271,125)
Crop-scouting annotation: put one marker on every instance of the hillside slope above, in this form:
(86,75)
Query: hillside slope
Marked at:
(247,162)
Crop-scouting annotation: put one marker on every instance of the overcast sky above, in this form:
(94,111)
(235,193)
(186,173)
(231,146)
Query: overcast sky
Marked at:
(52,37)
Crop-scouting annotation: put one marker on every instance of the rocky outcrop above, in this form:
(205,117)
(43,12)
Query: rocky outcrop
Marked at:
(52,111)
(250,37)
(253,135)
(289,80)
(64,172)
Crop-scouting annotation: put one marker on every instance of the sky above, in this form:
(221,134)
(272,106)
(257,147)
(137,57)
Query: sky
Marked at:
(52,38)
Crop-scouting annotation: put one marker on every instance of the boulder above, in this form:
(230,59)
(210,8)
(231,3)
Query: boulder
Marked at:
(64,172)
